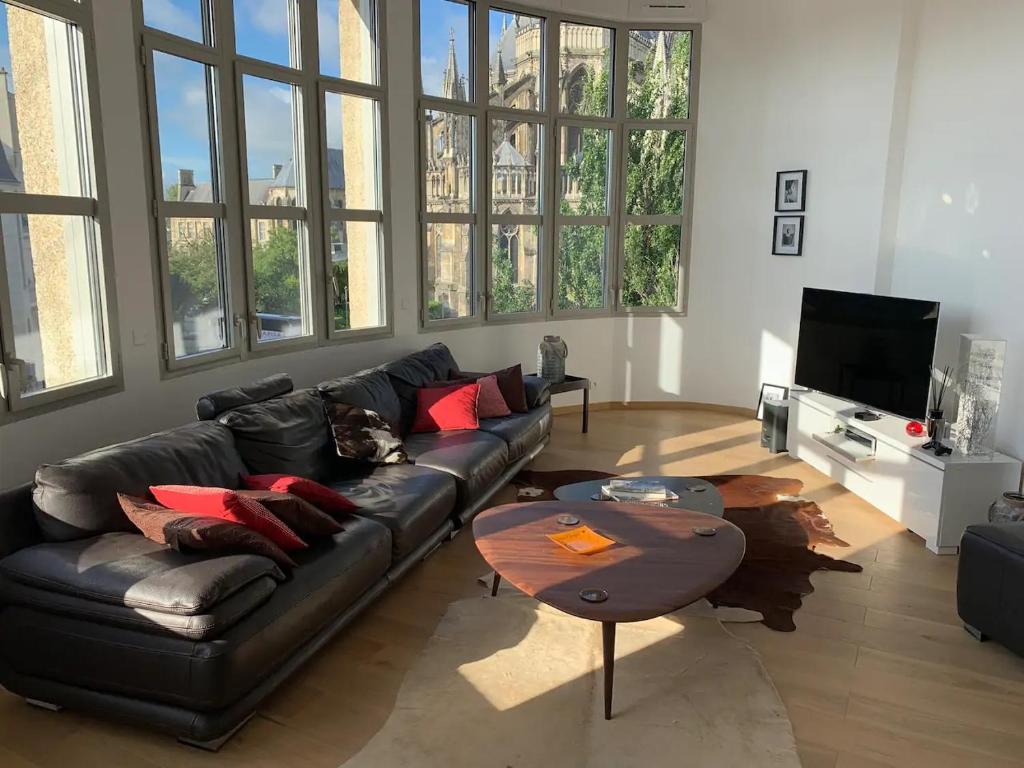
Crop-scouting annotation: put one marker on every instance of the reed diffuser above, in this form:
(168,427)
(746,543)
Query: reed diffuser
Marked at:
(936,424)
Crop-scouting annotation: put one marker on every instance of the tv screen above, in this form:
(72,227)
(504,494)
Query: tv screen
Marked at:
(874,350)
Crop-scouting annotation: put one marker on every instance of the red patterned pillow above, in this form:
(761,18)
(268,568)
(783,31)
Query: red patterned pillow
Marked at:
(491,404)
(298,514)
(320,496)
(183,531)
(228,505)
(443,409)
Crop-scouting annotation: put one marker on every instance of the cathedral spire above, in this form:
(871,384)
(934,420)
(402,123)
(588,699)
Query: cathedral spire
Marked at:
(452,82)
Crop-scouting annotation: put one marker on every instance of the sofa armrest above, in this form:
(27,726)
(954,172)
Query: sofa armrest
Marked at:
(1007,536)
(538,391)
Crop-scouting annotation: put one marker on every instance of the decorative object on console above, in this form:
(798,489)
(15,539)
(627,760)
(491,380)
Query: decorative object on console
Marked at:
(979,381)
(788,238)
(790,191)
(770,392)
(915,429)
(936,424)
(1008,508)
(551,354)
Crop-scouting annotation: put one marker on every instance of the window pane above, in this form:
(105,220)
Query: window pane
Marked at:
(280,279)
(516,60)
(444,59)
(268,30)
(654,176)
(184,92)
(650,275)
(357,274)
(178,17)
(198,307)
(273,151)
(47,156)
(585,70)
(449,271)
(54,277)
(659,74)
(581,267)
(514,268)
(353,165)
(347,30)
(449,151)
(583,179)
(515,166)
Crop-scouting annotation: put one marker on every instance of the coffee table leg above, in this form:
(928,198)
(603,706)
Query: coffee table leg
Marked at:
(608,640)
(495,584)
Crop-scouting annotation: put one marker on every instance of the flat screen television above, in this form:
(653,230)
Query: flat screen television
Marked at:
(874,350)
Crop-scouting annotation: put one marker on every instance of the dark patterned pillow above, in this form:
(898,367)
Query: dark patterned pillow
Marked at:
(298,514)
(182,531)
(363,435)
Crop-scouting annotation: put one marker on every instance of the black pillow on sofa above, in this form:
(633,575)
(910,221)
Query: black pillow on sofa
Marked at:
(362,435)
(370,390)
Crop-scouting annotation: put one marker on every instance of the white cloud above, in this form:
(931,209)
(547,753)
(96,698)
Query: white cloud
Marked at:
(270,16)
(169,16)
(268,121)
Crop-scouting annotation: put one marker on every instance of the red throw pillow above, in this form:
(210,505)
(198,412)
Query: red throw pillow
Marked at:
(228,505)
(441,409)
(320,496)
(491,404)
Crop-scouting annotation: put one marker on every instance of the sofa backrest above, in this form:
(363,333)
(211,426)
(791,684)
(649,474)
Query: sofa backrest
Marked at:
(18,527)
(77,498)
(370,390)
(213,404)
(410,373)
(284,435)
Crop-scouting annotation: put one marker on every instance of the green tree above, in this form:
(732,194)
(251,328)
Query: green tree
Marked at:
(342,315)
(195,279)
(509,297)
(276,271)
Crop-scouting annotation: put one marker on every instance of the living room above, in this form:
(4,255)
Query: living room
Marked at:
(314,238)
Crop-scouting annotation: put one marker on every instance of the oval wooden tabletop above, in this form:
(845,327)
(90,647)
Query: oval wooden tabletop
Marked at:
(657,565)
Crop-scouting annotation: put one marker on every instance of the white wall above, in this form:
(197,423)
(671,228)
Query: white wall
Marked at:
(787,84)
(960,237)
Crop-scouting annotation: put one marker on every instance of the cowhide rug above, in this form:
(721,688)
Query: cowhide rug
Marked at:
(782,532)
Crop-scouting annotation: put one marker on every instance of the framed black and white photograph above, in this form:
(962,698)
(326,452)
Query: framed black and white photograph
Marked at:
(788,239)
(770,392)
(790,191)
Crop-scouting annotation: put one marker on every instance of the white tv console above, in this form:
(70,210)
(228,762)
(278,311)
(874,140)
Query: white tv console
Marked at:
(935,497)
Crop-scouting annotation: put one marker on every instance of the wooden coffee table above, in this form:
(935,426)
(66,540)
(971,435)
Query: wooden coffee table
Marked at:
(658,565)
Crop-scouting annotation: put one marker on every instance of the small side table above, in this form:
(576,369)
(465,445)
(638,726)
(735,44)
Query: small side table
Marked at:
(574,384)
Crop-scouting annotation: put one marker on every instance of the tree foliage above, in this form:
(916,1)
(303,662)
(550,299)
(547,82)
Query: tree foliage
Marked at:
(509,297)
(276,270)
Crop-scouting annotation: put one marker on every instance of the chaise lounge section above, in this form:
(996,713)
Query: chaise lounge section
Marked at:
(97,618)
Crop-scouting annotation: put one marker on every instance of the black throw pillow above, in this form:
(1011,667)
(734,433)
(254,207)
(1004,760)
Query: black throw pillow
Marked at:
(363,435)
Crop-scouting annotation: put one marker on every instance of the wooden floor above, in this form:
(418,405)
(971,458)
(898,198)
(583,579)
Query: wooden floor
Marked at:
(878,673)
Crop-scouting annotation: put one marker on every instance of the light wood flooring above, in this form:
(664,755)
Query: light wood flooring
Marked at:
(878,673)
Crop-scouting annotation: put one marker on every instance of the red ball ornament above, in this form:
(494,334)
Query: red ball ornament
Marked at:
(915,429)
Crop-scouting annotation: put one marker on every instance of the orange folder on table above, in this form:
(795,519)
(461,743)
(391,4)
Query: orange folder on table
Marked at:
(582,541)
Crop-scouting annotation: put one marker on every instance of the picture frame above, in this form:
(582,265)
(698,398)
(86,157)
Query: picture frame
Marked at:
(770,392)
(788,236)
(791,191)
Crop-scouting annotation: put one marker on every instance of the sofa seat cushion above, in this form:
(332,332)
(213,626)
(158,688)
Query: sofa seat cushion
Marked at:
(207,675)
(77,498)
(129,570)
(521,431)
(413,502)
(203,626)
(286,435)
(475,459)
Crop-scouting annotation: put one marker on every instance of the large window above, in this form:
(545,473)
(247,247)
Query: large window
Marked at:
(268,156)
(581,206)
(55,280)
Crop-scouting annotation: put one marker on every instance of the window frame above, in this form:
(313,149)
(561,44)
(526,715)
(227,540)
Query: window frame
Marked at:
(15,405)
(549,216)
(236,211)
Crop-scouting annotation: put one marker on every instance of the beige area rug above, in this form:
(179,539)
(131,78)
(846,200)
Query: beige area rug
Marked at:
(511,683)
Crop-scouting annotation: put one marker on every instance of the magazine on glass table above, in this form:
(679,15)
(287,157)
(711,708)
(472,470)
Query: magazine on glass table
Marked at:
(624,489)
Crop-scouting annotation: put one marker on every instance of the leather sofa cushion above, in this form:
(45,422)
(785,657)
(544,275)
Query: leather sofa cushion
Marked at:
(521,431)
(211,674)
(212,405)
(370,390)
(413,502)
(287,435)
(538,391)
(475,459)
(77,498)
(128,569)
(208,625)
(413,372)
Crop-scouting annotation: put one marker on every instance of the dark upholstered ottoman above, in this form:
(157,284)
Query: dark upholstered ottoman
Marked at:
(990,583)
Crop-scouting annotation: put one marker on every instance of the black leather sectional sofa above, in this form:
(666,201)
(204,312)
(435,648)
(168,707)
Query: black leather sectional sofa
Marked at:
(94,617)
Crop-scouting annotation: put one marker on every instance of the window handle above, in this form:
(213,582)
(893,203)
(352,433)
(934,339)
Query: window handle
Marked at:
(240,326)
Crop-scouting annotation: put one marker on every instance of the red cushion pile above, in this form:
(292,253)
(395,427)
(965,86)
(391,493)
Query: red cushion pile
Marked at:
(460,404)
